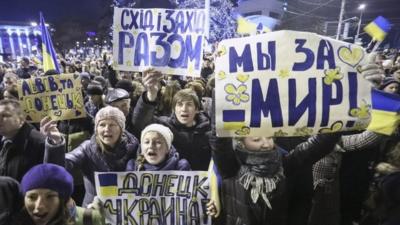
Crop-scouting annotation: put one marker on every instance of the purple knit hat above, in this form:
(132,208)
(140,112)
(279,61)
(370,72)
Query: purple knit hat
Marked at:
(49,176)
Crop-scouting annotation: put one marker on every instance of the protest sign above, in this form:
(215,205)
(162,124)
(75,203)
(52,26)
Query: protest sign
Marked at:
(57,96)
(289,83)
(154,197)
(170,40)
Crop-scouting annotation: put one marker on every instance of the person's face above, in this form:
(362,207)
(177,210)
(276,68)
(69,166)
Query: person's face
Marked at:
(10,122)
(154,148)
(392,88)
(85,82)
(9,82)
(126,76)
(7,95)
(124,105)
(108,132)
(42,205)
(185,112)
(259,143)
(396,75)
(95,99)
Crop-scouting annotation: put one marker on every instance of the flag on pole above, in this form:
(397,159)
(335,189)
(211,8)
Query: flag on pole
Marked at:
(215,185)
(378,28)
(385,117)
(49,54)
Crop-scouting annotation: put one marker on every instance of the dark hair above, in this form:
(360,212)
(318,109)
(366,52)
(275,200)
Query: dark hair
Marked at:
(185,95)
(171,88)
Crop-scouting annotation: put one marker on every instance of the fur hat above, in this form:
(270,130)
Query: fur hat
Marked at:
(161,129)
(48,176)
(112,113)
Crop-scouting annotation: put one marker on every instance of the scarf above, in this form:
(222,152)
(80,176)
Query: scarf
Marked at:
(260,172)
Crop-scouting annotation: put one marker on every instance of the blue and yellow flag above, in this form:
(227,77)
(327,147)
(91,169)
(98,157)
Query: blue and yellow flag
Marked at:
(49,54)
(108,185)
(385,116)
(245,26)
(215,184)
(378,28)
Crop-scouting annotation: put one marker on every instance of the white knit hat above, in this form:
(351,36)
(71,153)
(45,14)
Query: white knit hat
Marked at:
(112,113)
(161,129)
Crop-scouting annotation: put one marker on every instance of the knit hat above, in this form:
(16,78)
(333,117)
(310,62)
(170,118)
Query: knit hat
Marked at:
(126,85)
(111,113)
(161,129)
(94,88)
(386,81)
(48,176)
(116,94)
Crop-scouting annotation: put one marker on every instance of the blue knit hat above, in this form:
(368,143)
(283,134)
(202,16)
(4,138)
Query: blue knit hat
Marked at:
(49,176)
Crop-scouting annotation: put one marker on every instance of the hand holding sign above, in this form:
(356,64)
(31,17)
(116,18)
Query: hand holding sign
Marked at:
(49,128)
(151,79)
(372,71)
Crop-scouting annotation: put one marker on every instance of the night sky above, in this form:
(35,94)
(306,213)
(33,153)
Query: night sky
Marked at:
(87,11)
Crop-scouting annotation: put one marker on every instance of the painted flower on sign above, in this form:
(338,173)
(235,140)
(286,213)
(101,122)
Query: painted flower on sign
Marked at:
(236,95)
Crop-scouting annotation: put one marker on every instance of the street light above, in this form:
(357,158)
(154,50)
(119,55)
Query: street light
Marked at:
(361,7)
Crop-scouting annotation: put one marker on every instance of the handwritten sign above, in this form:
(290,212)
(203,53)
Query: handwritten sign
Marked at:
(157,197)
(289,83)
(169,40)
(57,96)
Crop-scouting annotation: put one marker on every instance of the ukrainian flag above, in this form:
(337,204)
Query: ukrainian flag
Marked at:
(378,28)
(215,184)
(108,184)
(385,116)
(49,54)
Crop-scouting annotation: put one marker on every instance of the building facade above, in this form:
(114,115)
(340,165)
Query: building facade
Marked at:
(18,40)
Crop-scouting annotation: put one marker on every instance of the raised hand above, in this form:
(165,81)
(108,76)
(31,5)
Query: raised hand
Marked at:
(372,71)
(151,79)
(48,127)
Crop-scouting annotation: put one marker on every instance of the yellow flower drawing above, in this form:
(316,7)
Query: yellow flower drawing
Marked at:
(236,95)
(283,73)
(332,75)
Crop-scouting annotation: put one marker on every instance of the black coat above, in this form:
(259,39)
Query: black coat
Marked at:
(237,206)
(11,199)
(27,150)
(192,143)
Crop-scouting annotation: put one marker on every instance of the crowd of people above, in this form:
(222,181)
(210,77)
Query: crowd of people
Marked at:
(149,121)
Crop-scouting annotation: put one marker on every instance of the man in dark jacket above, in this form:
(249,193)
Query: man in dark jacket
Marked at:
(21,146)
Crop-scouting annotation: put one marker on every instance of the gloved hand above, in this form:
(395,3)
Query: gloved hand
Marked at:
(372,71)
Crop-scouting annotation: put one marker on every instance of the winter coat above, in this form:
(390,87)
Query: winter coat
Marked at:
(89,159)
(172,162)
(26,151)
(11,199)
(238,208)
(192,143)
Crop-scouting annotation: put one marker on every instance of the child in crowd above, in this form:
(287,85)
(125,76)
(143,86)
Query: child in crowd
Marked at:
(157,152)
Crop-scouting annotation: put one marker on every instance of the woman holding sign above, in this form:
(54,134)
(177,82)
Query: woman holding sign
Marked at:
(109,149)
